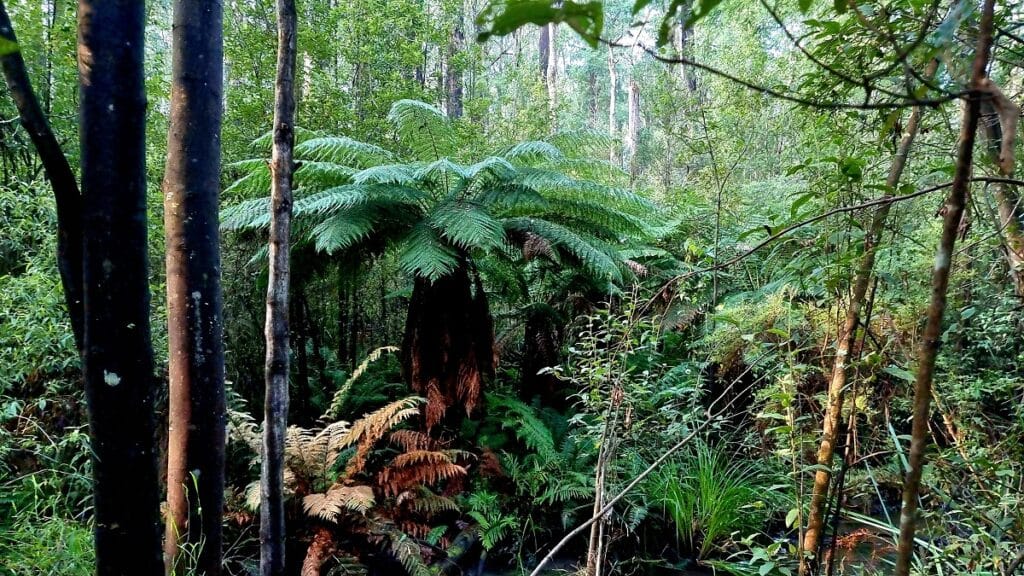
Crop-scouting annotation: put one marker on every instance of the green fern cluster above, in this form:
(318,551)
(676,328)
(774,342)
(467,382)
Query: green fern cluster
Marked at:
(538,198)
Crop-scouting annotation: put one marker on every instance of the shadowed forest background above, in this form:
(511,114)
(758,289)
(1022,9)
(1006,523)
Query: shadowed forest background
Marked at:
(622,287)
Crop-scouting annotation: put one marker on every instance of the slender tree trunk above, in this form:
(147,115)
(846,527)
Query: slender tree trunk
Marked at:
(940,282)
(592,97)
(453,71)
(551,75)
(544,51)
(58,172)
(275,420)
(632,127)
(613,156)
(1007,199)
(848,335)
(342,324)
(196,411)
(118,354)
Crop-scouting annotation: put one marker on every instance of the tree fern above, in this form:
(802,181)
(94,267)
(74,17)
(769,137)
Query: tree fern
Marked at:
(343,151)
(424,129)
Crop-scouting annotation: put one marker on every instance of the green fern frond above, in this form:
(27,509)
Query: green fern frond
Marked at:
(342,231)
(319,175)
(404,174)
(265,140)
(595,260)
(528,428)
(589,213)
(467,226)
(582,143)
(342,150)
(255,179)
(423,253)
(248,215)
(442,172)
(338,401)
(423,128)
(532,151)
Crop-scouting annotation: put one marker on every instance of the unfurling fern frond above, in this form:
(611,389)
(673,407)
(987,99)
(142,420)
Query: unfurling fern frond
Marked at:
(342,150)
(338,401)
(329,505)
(423,128)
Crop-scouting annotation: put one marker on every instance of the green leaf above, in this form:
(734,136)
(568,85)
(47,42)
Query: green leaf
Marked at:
(8,47)
(805,5)
(791,517)
(702,9)
(502,17)
(899,373)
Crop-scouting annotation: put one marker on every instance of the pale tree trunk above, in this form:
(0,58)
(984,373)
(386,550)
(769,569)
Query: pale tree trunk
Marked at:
(551,75)
(1007,199)
(118,354)
(848,335)
(682,37)
(632,127)
(932,335)
(62,179)
(272,529)
(196,411)
(452,71)
(613,155)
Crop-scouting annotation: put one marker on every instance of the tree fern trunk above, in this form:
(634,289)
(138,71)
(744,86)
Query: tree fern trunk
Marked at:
(954,210)
(272,529)
(196,411)
(118,355)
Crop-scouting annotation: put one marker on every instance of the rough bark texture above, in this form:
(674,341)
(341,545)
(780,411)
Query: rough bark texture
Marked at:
(940,282)
(275,420)
(118,355)
(848,335)
(448,348)
(58,172)
(196,411)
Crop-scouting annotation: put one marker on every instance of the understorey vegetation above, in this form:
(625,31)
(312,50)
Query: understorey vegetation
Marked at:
(495,287)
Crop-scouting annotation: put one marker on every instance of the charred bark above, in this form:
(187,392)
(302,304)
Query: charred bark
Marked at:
(940,283)
(118,354)
(275,420)
(58,171)
(196,410)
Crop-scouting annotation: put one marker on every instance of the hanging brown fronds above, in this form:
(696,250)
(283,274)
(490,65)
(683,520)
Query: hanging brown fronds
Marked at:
(369,429)
(330,505)
(421,467)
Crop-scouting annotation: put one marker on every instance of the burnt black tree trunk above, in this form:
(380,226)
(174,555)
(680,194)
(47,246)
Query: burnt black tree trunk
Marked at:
(196,411)
(275,420)
(118,354)
(448,347)
(58,172)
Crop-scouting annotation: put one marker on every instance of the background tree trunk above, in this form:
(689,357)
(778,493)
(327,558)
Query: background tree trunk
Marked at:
(1007,200)
(632,127)
(118,355)
(58,172)
(275,420)
(848,335)
(954,210)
